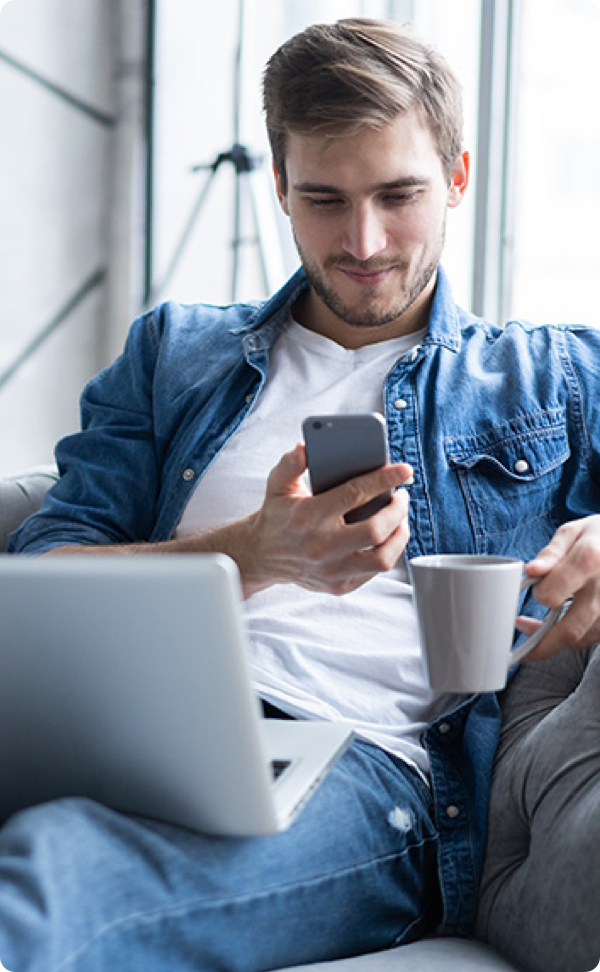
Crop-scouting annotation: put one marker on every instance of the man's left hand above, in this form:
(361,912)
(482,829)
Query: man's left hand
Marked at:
(568,567)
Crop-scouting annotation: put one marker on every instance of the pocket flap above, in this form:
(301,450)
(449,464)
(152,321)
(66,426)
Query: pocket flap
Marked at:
(523,449)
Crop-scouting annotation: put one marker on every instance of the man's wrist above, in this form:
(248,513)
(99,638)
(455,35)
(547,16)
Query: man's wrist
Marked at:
(240,541)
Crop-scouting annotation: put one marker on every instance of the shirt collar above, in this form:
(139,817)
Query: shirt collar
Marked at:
(444,319)
(270,316)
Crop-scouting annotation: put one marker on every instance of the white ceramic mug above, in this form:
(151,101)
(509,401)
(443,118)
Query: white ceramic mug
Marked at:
(466,608)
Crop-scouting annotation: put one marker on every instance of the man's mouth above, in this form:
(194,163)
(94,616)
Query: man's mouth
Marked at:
(364,276)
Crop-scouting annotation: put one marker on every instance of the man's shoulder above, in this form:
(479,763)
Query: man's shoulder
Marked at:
(571,339)
(171,315)
(220,319)
(567,349)
(521,329)
(531,327)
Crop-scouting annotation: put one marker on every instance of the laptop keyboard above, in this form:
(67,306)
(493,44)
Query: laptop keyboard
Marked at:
(278,766)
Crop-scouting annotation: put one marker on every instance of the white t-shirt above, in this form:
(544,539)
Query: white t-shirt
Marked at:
(354,658)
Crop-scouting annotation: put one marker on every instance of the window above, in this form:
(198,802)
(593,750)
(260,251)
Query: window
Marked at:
(454,30)
(556,245)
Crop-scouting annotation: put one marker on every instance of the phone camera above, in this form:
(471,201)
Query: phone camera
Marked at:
(317,425)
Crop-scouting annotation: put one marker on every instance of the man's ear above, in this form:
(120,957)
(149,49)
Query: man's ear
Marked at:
(459,180)
(281,195)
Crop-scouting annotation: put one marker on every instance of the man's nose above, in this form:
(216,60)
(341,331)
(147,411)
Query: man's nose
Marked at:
(365,234)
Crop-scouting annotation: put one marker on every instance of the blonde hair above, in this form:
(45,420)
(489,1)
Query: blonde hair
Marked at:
(338,78)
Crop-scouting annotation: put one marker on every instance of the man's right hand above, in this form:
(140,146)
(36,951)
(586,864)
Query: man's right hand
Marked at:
(299,538)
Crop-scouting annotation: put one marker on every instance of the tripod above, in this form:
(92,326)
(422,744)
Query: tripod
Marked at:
(247,170)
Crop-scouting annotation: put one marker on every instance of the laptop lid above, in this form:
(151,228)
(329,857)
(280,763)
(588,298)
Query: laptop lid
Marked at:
(126,680)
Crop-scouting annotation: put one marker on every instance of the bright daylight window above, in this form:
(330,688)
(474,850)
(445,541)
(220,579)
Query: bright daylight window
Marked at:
(557,164)
(454,29)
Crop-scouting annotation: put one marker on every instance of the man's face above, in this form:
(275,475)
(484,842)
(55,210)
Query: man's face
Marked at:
(368,213)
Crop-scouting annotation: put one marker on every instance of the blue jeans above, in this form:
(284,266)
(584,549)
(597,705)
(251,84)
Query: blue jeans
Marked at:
(84,888)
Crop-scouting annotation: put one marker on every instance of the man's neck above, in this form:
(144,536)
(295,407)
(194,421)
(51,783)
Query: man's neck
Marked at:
(310,311)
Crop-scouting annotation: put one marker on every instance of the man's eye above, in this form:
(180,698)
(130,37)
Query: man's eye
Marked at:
(400,198)
(323,202)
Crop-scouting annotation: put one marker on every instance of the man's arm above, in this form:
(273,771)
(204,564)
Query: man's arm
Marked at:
(298,538)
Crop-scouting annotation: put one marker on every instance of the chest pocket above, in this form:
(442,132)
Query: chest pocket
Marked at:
(510,479)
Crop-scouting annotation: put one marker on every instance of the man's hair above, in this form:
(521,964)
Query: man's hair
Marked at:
(336,79)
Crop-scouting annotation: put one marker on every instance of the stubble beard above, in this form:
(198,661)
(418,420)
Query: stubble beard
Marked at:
(370,313)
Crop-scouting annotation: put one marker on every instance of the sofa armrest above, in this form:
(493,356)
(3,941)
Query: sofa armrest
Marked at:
(540,892)
(20,496)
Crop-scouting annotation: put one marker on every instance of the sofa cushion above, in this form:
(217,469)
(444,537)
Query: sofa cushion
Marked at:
(540,894)
(428,955)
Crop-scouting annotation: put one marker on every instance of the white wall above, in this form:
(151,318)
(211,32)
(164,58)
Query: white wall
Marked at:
(56,189)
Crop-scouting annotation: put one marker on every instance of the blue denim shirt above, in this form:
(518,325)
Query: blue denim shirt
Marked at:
(500,425)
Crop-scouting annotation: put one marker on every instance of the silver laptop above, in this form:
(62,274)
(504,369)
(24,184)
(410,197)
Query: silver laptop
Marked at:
(126,680)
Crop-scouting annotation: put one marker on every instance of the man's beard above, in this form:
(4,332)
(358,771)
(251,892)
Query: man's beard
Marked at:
(372,314)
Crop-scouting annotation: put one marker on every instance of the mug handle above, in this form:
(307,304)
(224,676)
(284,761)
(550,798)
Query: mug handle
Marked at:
(529,644)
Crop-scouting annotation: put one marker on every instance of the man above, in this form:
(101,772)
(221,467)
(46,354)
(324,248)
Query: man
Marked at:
(493,445)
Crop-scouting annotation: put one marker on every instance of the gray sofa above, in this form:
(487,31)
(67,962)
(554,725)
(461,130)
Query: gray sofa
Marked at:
(519,870)
(20,496)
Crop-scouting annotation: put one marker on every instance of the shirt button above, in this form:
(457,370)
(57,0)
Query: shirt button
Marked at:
(188,475)
(414,354)
(251,343)
(444,727)
(249,398)
(452,811)
(400,403)
(521,466)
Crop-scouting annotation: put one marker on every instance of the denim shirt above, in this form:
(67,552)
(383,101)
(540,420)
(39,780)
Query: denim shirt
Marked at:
(500,425)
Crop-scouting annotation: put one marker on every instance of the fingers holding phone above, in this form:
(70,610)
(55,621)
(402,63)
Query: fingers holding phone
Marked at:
(333,541)
(342,448)
(348,462)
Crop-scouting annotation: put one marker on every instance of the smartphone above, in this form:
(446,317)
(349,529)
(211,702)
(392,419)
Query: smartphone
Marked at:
(340,447)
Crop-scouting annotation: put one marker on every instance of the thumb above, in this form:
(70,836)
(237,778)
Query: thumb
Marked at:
(285,479)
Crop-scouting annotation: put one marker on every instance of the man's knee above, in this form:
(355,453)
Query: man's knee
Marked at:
(49,824)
